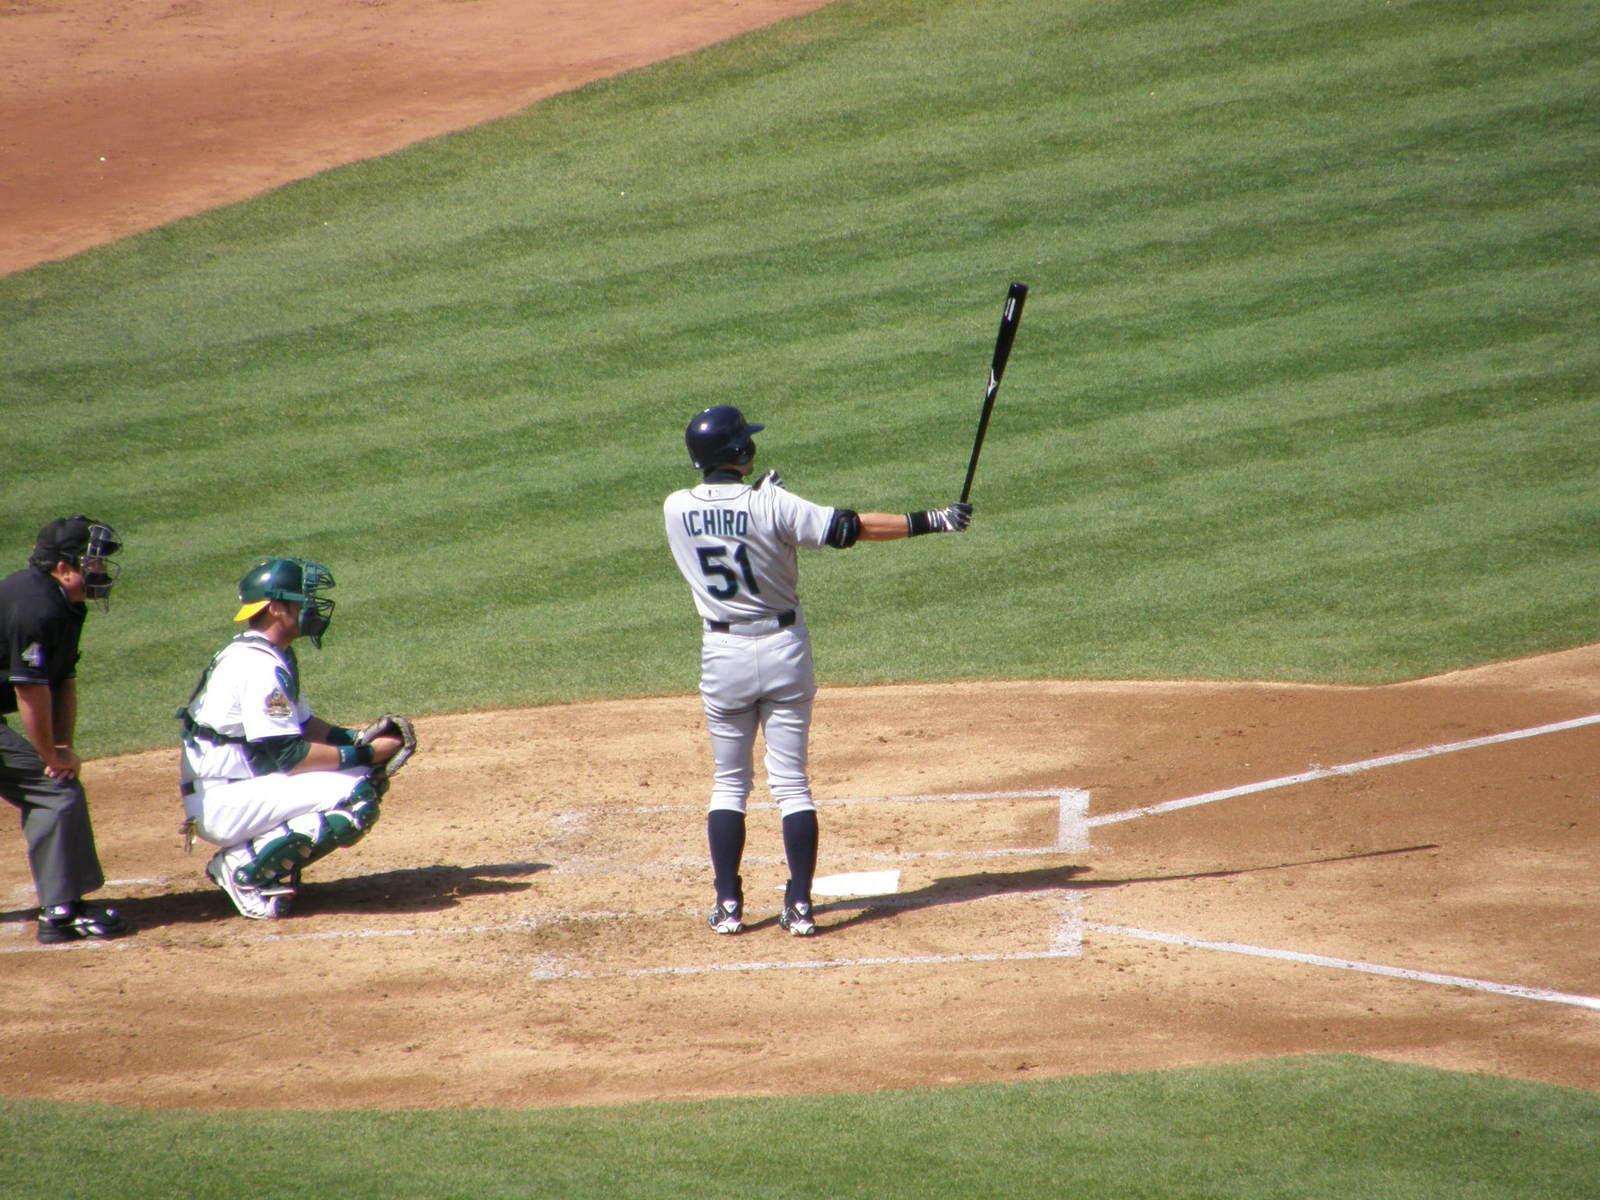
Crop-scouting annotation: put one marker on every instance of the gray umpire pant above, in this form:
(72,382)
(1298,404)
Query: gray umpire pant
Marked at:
(55,821)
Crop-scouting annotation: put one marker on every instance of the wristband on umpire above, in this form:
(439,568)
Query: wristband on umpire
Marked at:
(359,755)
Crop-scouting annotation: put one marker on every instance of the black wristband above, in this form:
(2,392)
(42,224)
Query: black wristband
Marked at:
(359,755)
(340,736)
(918,523)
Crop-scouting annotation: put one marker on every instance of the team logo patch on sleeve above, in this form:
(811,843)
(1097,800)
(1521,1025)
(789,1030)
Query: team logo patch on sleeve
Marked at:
(278,706)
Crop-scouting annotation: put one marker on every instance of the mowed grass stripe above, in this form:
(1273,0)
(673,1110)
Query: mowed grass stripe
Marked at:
(1312,310)
(456,211)
(1307,389)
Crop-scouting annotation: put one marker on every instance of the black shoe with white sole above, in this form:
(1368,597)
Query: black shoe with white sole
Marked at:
(76,921)
(796,918)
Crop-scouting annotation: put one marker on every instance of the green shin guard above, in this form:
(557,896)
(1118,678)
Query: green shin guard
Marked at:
(345,825)
(274,856)
(302,840)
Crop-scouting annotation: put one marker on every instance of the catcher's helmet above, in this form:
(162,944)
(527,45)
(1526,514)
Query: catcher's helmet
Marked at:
(288,579)
(719,435)
(88,545)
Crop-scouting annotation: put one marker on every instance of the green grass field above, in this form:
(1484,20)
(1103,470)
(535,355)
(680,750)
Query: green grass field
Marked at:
(1306,389)
(1335,1127)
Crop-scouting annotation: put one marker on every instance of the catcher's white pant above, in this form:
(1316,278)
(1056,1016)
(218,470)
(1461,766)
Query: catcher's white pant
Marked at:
(761,683)
(226,813)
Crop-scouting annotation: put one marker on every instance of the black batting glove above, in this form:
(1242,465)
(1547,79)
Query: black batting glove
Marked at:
(951,519)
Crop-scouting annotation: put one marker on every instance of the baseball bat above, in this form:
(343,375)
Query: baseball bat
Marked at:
(1010,316)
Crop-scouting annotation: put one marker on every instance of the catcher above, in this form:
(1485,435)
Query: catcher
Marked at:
(274,786)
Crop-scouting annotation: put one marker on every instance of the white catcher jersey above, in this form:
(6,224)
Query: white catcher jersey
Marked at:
(735,544)
(252,690)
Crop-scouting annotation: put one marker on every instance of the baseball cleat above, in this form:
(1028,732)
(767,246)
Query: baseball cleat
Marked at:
(796,918)
(259,904)
(72,922)
(727,917)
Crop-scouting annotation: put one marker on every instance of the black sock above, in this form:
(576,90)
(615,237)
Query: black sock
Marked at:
(800,848)
(725,833)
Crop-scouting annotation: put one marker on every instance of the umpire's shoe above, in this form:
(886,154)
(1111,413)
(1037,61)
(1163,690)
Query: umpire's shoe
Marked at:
(75,921)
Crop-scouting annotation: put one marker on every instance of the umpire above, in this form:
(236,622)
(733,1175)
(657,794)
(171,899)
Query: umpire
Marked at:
(42,609)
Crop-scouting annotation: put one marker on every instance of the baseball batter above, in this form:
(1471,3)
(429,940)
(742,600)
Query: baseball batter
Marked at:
(735,544)
(273,785)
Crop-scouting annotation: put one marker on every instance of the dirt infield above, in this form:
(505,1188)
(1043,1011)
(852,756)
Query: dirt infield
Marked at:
(524,926)
(119,117)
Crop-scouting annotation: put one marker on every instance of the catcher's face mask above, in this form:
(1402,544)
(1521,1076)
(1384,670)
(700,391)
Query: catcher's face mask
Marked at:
(316,612)
(86,546)
(99,571)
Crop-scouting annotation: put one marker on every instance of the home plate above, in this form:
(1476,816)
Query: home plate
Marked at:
(857,883)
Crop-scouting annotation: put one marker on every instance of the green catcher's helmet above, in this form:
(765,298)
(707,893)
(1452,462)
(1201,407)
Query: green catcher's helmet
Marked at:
(297,579)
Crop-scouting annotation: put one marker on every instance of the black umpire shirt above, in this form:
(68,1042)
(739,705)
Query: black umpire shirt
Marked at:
(39,631)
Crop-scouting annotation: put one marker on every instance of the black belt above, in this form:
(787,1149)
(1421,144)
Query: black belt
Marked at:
(785,619)
(189,789)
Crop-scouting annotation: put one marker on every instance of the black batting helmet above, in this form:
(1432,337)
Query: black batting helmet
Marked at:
(719,435)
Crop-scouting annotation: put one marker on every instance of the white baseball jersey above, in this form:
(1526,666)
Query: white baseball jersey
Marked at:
(735,544)
(251,691)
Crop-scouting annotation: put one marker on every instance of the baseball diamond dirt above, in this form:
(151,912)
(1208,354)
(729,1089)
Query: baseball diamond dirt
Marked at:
(119,117)
(525,926)
(1074,877)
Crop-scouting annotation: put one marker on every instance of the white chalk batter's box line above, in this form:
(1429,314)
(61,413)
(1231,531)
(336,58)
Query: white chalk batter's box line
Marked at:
(546,920)
(676,866)
(1066,942)
(1069,930)
(1074,824)
(1064,795)
(1072,831)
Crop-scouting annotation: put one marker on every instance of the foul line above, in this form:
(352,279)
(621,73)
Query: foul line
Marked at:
(1353,768)
(1345,964)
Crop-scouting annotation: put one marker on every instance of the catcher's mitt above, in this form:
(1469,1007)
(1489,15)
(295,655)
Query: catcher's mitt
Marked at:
(390,725)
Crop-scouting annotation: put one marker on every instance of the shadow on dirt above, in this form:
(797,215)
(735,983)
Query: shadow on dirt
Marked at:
(961,889)
(413,890)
